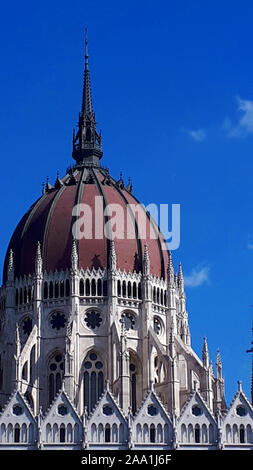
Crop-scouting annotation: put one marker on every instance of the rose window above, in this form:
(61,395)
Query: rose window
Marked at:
(93,319)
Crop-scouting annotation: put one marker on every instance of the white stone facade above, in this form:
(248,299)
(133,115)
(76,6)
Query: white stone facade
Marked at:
(102,359)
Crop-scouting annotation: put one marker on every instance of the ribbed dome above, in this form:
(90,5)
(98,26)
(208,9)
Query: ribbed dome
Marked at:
(50,222)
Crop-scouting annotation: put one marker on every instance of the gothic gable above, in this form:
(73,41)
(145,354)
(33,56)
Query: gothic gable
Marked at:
(17,423)
(152,425)
(107,423)
(196,424)
(237,427)
(61,424)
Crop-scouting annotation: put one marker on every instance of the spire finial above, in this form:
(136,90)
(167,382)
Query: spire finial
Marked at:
(86,48)
(205,353)
(10,268)
(87,142)
(170,270)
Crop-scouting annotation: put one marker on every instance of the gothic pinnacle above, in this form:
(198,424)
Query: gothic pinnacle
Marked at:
(112,257)
(180,278)
(10,268)
(87,142)
(205,353)
(170,270)
(146,261)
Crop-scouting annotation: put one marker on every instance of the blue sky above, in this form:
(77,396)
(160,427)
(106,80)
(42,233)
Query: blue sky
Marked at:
(173,94)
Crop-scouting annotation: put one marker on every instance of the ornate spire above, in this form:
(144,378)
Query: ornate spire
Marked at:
(218,365)
(170,271)
(205,353)
(146,261)
(180,279)
(38,260)
(10,268)
(112,257)
(74,256)
(87,143)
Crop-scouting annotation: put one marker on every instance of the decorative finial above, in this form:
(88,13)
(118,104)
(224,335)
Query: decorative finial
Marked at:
(74,256)
(87,142)
(38,260)
(112,257)
(180,278)
(146,261)
(170,271)
(205,353)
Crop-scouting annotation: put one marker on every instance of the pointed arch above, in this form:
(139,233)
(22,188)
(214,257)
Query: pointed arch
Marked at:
(93,379)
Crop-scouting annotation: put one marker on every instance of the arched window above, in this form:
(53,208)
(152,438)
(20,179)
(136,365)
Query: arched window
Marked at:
(3,433)
(48,433)
(158,295)
(81,288)
(152,433)
(129,289)
(235,433)
(69,433)
(87,287)
(154,294)
(20,296)
(100,433)
(159,433)
(138,433)
(204,434)
(99,287)
(62,289)
(24,433)
(45,295)
(93,433)
(249,433)
(183,434)
(190,433)
(105,288)
(62,433)
(93,380)
(139,291)
(165,298)
(51,290)
(145,433)
(17,433)
(55,375)
(197,434)
(10,433)
(115,433)
(124,288)
(119,288)
(211,433)
(56,289)
(134,290)
(242,434)
(93,288)
(228,434)
(55,433)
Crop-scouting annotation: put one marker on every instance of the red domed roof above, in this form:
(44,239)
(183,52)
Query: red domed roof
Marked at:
(50,222)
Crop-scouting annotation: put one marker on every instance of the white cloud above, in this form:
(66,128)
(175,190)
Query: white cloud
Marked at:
(198,135)
(244,125)
(197,277)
